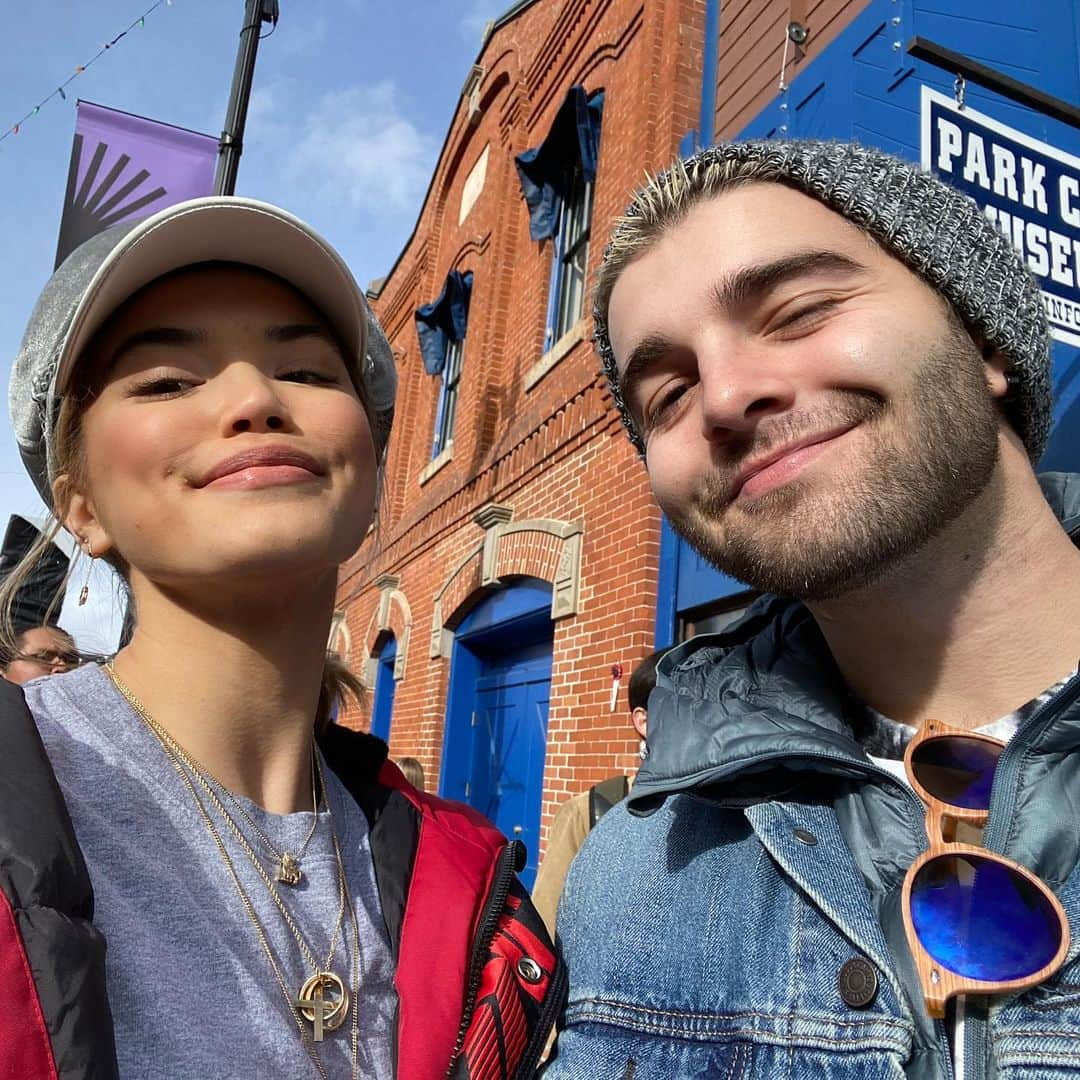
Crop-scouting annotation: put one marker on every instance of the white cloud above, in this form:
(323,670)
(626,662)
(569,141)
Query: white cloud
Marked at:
(359,150)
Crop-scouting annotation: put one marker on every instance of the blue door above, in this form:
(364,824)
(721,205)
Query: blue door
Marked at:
(496,727)
(383,710)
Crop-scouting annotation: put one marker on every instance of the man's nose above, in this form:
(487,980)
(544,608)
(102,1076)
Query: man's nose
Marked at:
(740,385)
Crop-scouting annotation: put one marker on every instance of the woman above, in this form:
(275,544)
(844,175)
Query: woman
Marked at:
(204,399)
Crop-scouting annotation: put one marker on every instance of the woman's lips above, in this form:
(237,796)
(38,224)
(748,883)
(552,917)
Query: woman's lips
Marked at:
(263,476)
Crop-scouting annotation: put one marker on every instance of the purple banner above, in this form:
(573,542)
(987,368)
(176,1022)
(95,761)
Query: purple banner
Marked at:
(125,167)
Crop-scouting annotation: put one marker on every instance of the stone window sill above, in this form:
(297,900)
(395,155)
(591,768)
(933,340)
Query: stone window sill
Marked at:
(436,463)
(554,356)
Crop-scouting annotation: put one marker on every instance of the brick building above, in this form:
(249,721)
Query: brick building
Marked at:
(519,556)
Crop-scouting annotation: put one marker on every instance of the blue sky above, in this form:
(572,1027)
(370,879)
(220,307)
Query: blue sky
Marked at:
(352,100)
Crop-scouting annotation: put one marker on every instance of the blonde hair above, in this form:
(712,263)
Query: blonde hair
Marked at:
(665,200)
(413,771)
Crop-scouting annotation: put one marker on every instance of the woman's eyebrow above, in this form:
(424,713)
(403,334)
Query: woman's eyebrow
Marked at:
(287,332)
(157,335)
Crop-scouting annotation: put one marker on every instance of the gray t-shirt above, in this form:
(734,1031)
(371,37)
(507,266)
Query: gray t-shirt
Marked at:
(191,989)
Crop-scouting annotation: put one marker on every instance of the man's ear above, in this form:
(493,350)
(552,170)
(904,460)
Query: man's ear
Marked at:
(639,717)
(997,367)
(80,518)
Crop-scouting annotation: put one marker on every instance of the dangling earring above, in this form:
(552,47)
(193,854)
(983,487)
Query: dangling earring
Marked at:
(84,592)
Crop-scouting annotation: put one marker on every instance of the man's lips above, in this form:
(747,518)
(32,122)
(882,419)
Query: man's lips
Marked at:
(781,464)
(282,460)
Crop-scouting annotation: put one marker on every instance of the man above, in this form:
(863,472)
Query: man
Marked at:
(581,812)
(40,650)
(837,373)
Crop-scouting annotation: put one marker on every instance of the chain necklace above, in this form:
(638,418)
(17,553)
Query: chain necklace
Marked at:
(288,865)
(311,1004)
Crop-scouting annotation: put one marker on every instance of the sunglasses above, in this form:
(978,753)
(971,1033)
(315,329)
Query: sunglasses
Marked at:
(976,922)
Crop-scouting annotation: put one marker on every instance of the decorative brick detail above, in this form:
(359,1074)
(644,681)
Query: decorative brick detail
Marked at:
(550,550)
(539,548)
(463,582)
(391,613)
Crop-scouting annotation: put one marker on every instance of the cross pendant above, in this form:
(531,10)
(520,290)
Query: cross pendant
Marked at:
(318,1005)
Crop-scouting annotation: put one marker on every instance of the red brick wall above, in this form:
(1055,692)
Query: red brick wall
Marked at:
(555,450)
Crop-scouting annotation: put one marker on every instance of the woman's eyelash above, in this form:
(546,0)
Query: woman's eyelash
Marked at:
(317,378)
(161,386)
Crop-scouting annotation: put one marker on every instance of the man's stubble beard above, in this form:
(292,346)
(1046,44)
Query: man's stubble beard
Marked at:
(815,543)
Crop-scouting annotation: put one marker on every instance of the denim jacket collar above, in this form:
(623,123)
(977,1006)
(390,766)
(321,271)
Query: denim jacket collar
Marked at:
(784,702)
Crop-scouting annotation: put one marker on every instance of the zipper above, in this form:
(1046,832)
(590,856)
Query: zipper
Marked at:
(505,870)
(1002,803)
(549,1013)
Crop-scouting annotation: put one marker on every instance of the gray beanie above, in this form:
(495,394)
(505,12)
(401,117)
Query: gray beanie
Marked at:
(935,230)
(109,268)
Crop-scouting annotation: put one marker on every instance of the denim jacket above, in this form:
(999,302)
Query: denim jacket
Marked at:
(706,921)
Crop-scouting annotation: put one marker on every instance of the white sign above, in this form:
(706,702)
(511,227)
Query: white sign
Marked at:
(1029,189)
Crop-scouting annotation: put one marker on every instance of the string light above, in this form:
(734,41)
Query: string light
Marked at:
(80,68)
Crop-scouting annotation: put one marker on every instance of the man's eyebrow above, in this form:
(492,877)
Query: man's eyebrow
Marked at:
(157,335)
(644,354)
(736,289)
(296,331)
(752,281)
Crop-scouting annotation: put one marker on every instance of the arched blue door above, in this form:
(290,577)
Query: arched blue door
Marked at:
(497,708)
(383,710)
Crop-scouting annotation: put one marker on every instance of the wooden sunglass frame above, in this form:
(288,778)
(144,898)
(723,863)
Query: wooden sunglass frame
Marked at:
(937,981)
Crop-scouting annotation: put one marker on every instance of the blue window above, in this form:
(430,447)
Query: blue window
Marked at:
(440,327)
(570,257)
(446,409)
(557,182)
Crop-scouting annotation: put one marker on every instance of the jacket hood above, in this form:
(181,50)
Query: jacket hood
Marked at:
(765,695)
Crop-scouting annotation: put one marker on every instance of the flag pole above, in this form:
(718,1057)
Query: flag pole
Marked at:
(256,12)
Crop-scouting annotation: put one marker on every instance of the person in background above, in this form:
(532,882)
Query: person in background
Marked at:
(577,816)
(413,771)
(837,373)
(38,651)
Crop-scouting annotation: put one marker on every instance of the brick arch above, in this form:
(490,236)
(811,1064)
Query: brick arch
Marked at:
(605,52)
(473,246)
(340,642)
(392,614)
(538,547)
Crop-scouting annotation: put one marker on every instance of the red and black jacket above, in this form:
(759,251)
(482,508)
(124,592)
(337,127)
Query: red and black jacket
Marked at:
(478,983)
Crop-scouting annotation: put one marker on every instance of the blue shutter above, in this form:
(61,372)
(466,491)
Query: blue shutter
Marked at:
(444,320)
(574,138)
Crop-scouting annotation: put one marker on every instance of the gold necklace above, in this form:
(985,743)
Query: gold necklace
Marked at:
(311,1004)
(288,865)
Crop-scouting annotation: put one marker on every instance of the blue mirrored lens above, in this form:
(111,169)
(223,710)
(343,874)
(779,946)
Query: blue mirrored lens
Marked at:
(982,920)
(957,770)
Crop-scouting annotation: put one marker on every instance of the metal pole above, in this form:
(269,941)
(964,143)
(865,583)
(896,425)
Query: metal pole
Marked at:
(256,12)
